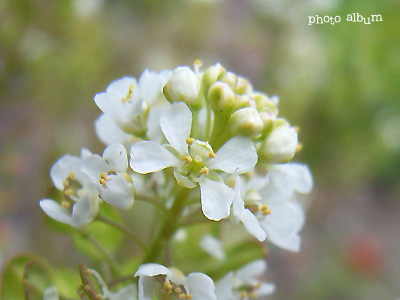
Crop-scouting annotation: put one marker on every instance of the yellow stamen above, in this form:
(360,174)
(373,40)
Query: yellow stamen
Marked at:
(167,286)
(299,147)
(189,296)
(198,63)
(88,272)
(253,295)
(190,141)
(204,171)
(178,290)
(265,210)
(187,159)
(131,88)
(182,296)
(212,155)
(68,192)
(102,182)
(103,175)
(65,204)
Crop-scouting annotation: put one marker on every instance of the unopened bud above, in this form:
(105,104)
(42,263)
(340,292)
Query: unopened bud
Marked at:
(211,75)
(280,145)
(246,121)
(230,78)
(221,97)
(264,103)
(242,101)
(182,86)
(243,86)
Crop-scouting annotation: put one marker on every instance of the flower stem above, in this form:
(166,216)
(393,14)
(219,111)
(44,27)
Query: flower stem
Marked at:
(169,226)
(144,198)
(124,229)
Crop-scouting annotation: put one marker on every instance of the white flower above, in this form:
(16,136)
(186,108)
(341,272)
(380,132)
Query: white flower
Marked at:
(196,286)
(194,161)
(280,145)
(266,208)
(108,175)
(212,246)
(182,86)
(126,105)
(81,200)
(50,293)
(243,284)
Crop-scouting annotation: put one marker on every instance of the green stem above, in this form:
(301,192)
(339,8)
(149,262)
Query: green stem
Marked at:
(169,226)
(220,133)
(104,251)
(124,229)
(144,198)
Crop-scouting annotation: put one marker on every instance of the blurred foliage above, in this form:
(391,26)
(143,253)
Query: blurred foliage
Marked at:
(339,83)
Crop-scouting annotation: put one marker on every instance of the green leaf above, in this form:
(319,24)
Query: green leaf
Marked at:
(25,272)
(66,281)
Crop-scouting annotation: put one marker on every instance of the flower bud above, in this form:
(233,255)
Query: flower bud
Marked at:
(246,121)
(182,86)
(230,78)
(243,86)
(221,97)
(242,101)
(211,75)
(264,103)
(280,145)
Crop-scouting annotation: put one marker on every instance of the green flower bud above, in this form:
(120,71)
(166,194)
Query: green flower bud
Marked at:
(263,103)
(211,75)
(182,86)
(245,121)
(280,145)
(243,86)
(230,78)
(242,101)
(221,97)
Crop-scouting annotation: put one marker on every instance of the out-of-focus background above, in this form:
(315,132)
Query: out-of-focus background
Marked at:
(339,83)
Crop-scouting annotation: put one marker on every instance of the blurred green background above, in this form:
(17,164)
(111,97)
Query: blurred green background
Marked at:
(339,83)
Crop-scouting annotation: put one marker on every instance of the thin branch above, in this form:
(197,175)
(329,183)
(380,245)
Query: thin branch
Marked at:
(124,229)
(144,198)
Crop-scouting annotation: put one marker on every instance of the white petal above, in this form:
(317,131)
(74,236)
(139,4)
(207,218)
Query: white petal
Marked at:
(83,211)
(212,246)
(93,166)
(150,86)
(154,131)
(109,132)
(118,192)
(146,287)
(288,242)
(252,225)
(63,168)
(292,176)
(251,271)
(50,293)
(223,288)
(112,106)
(121,86)
(266,289)
(237,156)
(201,286)
(286,217)
(152,270)
(216,199)
(115,156)
(148,156)
(176,124)
(55,211)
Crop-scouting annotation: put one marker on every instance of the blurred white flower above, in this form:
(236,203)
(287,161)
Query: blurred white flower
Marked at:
(212,246)
(108,175)
(243,284)
(81,200)
(155,279)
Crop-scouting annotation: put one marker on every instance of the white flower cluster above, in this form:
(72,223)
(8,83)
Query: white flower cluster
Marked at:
(209,133)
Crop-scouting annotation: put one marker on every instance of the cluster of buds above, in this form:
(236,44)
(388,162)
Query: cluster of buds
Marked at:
(204,135)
